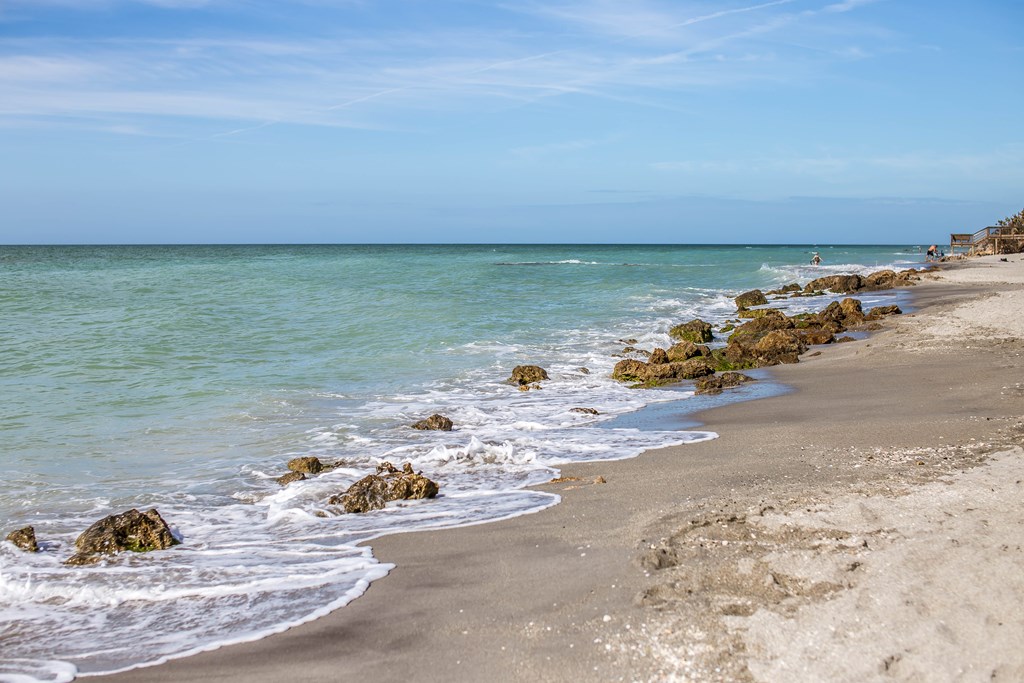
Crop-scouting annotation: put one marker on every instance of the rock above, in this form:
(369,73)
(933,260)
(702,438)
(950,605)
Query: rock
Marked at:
(134,531)
(25,539)
(714,384)
(685,350)
(634,351)
(753,330)
(585,411)
(658,356)
(816,335)
(754,297)
(778,346)
(691,369)
(306,465)
(840,284)
(630,370)
(696,331)
(527,374)
(584,371)
(883,279)
(786,289)
(882,311)
(843,340)
(435,422)
(375,491)
(853,314)
(290,477)
(839,315)
(747,313)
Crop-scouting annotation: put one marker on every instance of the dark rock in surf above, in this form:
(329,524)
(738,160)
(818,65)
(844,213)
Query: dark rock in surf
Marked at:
(375,491)
(754,297)
(839,284)
(435,422)
(307,465)
(133,531)
(585,411)
(290,477)
(25,539)
(527,374)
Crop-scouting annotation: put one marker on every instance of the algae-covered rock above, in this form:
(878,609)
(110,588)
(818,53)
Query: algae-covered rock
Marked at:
(434,422)
(133,531)
(696,331)
(24,538)
(375,491)
(527,374)
(748,313)
(754,297)
(685,350)
(306,465)
(753,330)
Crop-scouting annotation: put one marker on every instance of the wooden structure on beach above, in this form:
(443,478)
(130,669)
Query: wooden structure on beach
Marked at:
(990,240)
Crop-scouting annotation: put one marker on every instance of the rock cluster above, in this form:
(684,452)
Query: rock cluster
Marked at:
(374,491)
(768,337)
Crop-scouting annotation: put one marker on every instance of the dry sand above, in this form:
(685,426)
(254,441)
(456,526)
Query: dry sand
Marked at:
(868,525)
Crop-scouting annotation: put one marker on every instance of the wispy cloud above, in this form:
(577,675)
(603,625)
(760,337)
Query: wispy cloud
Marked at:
(381,78)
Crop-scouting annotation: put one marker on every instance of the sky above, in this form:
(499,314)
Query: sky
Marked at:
(565,121)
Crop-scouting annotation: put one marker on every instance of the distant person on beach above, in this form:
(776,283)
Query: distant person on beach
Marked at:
(933,252)
(816,259)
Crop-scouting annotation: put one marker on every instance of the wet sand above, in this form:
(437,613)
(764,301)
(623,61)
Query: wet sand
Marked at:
(867,525)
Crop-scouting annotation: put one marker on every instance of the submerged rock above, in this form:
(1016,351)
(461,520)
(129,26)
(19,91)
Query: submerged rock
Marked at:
(714,384)
(290,477)
(527,374)
(375,491)
(585,411)
(25,539)
(882,311)
(435,422)
(696,331)
(134,531)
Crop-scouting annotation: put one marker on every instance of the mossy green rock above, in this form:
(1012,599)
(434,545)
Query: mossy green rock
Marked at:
(696,331)
(754,297)
(134,531)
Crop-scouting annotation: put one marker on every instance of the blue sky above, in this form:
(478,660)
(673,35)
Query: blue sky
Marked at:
(842,121)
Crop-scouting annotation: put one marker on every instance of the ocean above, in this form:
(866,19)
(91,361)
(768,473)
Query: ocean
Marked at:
(185,377)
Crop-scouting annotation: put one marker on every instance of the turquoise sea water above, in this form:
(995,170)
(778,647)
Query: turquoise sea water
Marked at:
(185,377)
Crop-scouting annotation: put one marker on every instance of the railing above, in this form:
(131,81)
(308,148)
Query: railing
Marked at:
(990,238)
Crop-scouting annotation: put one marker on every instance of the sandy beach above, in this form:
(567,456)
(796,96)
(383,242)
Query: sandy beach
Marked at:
(866,525)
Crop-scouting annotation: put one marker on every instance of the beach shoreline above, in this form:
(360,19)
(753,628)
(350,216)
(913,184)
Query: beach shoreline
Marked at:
(596,587)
